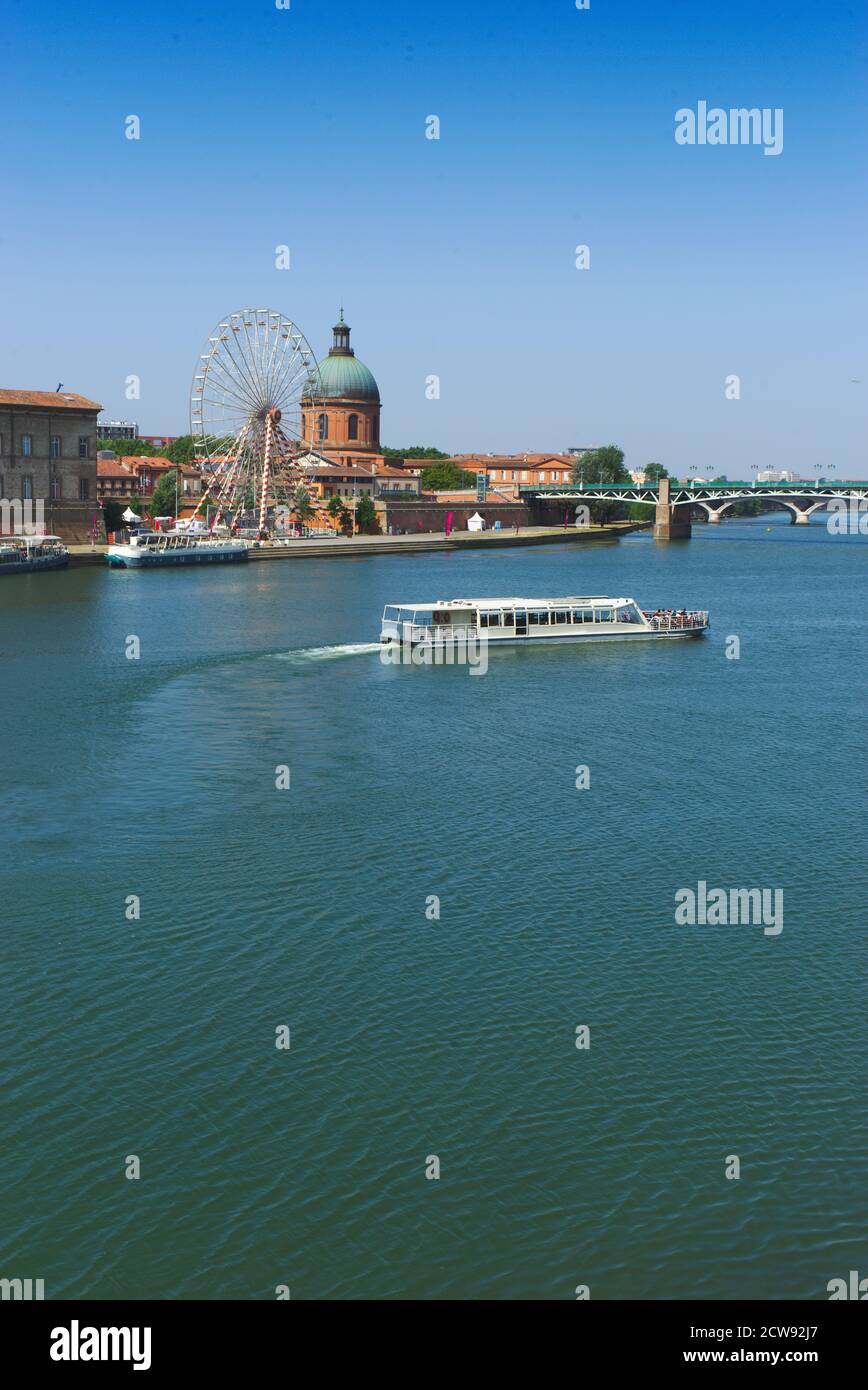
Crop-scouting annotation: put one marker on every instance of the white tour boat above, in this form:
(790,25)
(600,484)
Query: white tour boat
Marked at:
(148,549)
(584,618)
(22,554)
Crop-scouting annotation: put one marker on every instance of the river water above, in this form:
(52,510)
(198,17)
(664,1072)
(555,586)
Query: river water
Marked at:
(414,1034)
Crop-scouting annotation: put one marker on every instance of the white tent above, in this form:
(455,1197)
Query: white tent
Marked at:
(130,515)
(476,523)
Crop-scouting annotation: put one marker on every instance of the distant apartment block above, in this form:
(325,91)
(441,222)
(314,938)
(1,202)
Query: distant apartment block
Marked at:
(117,429)
(778,475)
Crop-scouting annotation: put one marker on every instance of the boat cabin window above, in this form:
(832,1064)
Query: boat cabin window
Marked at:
(560,615)
(391,614)
(538,617)
(509,617)
(489,617)
(629,613)
(602,615)
(583,615)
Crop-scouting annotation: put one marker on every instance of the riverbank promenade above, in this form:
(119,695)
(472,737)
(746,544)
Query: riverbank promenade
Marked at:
(335,547)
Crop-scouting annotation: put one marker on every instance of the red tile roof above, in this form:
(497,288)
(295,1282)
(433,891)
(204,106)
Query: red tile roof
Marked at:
(49,400)
(131,464)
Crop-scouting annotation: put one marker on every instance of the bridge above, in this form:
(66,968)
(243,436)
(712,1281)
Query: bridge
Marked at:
(800,499)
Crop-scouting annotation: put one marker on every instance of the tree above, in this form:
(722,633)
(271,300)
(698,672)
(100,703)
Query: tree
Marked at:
(181,450)
(416,451)
(122,447)
(654,472)
(341,518)
(366,516)
(113,514)
(446,477)
(605,465)
(302,505)
(164,500)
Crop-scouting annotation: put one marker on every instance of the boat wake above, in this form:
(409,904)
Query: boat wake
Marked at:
(303,655)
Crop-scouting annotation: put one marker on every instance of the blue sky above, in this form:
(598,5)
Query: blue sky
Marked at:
(455,257)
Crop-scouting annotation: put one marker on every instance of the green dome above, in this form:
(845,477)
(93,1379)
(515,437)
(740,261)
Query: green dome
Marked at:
(342,377)
(345,377)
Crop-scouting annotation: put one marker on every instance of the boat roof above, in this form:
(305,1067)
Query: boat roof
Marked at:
(28,540)
(517,602)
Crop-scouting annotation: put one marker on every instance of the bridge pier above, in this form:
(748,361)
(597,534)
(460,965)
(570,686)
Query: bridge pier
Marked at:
(670,523)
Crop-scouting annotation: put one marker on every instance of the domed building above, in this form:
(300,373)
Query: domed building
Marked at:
(343,422)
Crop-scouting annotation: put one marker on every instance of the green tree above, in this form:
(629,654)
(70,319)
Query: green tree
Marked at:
(181,450)
(163,502)
(113,514)
(122,447)
(341,518)
(416,451)
(654,472)
(366,516)
(446,477)
(605,465)
(302,504)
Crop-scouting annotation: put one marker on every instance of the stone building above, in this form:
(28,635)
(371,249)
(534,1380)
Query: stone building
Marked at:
(48,459)
(342,419)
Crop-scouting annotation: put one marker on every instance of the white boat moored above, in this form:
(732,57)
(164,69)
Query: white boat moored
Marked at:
(582,618)
(149,549)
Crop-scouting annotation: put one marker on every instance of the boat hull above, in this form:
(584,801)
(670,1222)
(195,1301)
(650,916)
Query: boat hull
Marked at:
(532,640)
(123,559)
(29,566)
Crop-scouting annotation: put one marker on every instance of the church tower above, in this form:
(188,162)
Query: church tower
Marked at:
(343,422)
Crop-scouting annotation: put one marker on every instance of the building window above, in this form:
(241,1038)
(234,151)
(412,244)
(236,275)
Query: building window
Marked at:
(322,427)
(27,487)
(353,427)
(555,476)
(56,488)
(375,430)
(83,446)
(55,446)
(27,445)
(83,489)
(524,475)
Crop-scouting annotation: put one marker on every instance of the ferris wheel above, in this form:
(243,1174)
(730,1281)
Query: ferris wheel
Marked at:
(255,379)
